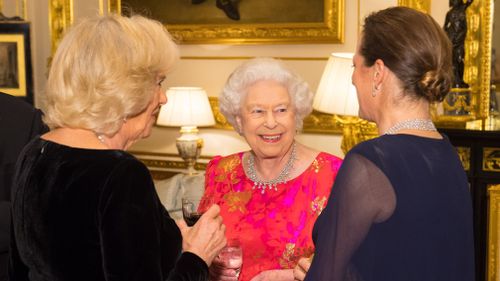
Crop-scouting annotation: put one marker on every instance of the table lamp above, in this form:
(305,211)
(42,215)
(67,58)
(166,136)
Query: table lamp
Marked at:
(336,95)
(188,108)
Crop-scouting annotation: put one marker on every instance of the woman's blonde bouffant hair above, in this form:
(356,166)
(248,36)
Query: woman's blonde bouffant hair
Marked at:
(106,70)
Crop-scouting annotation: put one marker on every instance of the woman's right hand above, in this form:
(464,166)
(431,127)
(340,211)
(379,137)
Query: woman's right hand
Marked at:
(300,270)
(221,271)
(207,237)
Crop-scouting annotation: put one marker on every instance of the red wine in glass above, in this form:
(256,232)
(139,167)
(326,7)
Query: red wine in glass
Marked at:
(193,208)
(191,218)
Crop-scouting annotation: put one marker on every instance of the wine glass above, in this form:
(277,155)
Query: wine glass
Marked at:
(193,208)
(232,255)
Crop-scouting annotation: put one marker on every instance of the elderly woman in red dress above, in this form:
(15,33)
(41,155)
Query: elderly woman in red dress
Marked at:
(271,195)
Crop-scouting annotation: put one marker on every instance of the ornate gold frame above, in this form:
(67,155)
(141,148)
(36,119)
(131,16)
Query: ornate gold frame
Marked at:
(477,67)
(331,30)
(60,18)
(493,262)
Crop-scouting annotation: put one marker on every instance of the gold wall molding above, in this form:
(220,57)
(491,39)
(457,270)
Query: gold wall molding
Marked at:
(493,262)
(170,164)
(249,57)
(60,18)
(420,5)
(114,6)
(166,165)
(491,159)
(150,154)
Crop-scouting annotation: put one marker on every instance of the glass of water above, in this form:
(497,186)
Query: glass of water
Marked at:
(232,255)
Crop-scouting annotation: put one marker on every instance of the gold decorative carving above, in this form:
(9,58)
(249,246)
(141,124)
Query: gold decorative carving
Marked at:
(464,156)
(321,123)
(493,262)
(421,5)
(460,103)
(60,18)
(331,30)
(220,120)
(170,164)
(491,159)
(354,131)
(148,154)
(477,69)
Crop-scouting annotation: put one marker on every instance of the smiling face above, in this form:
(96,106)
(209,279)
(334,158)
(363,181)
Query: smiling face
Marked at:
(267,119)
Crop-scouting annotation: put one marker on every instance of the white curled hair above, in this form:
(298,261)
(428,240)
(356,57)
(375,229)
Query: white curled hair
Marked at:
(259,69)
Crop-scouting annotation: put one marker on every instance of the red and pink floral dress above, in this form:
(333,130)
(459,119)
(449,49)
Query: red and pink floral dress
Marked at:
(274,227)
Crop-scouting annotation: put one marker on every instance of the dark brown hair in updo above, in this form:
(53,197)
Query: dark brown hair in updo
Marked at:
(413,46)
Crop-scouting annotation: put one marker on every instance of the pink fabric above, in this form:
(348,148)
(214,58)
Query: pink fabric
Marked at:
(274,228)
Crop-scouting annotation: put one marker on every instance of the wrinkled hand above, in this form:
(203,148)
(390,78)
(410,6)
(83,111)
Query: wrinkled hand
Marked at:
(300,270)
(221,271)
(274,275)
(207,237)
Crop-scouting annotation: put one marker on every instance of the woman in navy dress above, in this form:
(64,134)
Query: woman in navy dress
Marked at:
(400,207)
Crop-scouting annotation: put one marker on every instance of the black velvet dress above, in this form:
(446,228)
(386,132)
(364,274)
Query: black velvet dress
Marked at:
(83,214)
(429,234)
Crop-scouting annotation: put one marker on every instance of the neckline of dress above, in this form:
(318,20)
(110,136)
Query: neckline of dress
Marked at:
(241,154)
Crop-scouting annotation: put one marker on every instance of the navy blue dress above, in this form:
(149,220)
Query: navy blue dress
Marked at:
(428,235)
(85,214)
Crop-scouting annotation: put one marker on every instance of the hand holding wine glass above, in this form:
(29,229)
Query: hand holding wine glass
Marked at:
(193,207)
(206,237)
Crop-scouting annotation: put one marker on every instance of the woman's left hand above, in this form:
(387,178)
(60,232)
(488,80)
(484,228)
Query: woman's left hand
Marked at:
(274,275)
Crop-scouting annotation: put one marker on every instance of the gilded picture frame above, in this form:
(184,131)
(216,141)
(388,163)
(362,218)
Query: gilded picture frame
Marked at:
(15,59)
(252,28)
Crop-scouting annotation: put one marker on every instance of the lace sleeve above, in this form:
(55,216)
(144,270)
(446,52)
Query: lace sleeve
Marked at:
(362,195)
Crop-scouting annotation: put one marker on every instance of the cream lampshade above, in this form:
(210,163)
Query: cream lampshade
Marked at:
(188,108)
(336,95)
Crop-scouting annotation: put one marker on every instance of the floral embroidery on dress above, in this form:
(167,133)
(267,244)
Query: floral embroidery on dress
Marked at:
(237,201)
(291,255)
(318,204)
(226,169)
(315,165)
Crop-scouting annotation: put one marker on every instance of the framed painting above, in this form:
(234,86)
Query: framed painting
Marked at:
(15,60)
(244,21)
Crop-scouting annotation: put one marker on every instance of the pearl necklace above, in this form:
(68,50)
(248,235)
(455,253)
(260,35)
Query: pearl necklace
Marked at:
(270,184)
(412,124)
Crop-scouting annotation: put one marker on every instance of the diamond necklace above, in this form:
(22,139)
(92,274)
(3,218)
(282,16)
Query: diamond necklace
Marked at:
(412,124)
(281,178)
